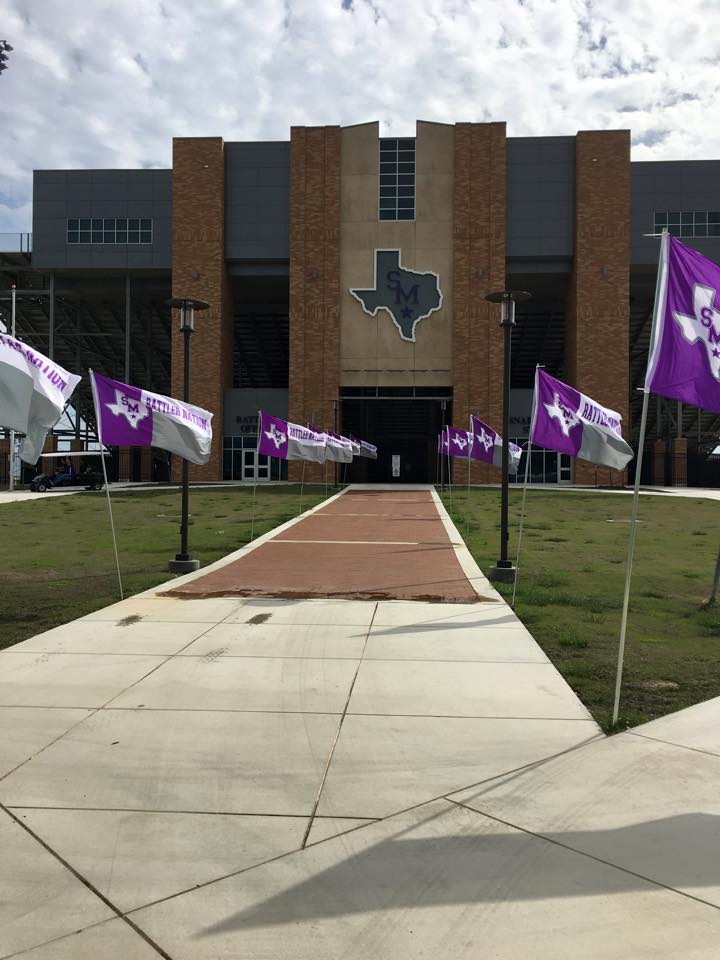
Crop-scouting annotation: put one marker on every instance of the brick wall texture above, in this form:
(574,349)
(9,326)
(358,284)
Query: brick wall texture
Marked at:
(198,239)
(478,269)
(597,323)
(314,309)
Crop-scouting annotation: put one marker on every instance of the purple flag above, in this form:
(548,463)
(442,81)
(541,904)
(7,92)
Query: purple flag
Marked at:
(130,417)
(443,441)
(684,359)
(458,442)
(487,446)
(289,441)
(567,421)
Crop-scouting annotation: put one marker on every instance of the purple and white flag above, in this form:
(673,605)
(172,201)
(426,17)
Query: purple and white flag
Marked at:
(487,446)
(33,393)
(443,442)
(338,449)
(366,450)
(289,441)
(684,361)
(131,417)
(567,421)
(459,442)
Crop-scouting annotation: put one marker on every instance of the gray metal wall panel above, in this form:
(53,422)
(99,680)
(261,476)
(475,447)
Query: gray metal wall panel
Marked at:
(60,195)
(664,185)
(540,196)
(242,404)
(257,201)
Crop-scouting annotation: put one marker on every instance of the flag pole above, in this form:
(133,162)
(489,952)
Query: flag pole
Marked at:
(255,472)
(528,457)
(659,289)
(467,497)
(522,519)
(107,486)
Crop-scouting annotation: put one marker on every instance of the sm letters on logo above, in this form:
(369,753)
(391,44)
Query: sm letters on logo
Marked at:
(401,295)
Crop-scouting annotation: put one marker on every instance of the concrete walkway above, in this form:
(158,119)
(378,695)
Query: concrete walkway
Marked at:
(265,778)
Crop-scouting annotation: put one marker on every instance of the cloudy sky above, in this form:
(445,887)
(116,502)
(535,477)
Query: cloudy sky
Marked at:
(108,83)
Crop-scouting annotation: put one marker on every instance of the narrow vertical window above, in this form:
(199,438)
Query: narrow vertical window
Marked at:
(397,180)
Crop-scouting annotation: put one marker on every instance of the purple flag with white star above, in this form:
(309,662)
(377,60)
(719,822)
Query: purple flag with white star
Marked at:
(132,417)
(458,441)
(487,445)
(289,441)
(567,421)
(684,359)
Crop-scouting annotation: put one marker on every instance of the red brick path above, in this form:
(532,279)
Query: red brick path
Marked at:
(373,545)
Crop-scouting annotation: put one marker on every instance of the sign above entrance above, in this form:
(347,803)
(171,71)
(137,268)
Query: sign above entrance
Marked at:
(407,295)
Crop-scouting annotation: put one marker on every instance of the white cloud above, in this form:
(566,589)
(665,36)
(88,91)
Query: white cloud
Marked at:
(105,84)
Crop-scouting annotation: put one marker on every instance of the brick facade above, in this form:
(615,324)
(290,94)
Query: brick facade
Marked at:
(597,326)
(678,462)
(659,456)
(314,309)
(198,242)
(478,269)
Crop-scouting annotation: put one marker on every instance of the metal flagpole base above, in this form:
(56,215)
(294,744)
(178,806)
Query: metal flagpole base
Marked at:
(183,565)
(503,572)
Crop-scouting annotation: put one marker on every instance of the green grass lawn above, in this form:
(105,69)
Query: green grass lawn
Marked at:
(570,591)
(56,560)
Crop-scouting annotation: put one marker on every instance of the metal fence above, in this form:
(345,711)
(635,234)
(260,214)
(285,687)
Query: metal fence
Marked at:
(15,242)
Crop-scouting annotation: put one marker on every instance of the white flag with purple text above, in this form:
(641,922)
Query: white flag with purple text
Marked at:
(33,393)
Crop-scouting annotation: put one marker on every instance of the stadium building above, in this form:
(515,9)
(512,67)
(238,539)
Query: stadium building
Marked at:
(346,275)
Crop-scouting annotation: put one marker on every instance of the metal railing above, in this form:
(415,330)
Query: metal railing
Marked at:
(15,242)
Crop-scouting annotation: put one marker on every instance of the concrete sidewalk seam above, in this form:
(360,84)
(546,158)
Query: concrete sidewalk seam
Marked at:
(94,710)
(337,735)
(670,743)
(583,853)
(82,879)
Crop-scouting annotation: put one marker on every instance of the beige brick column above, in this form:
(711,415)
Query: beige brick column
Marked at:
(198,239)
(597,327)
(314,310)
(478,269)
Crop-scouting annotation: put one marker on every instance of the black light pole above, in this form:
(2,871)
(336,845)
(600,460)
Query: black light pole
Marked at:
(504,571)
(183,562)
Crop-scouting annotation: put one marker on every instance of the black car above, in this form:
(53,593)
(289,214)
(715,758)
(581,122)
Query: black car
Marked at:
(90,479)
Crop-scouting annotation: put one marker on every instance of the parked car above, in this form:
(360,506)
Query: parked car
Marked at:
(90,479)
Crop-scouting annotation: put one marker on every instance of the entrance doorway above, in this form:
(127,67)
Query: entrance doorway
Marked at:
(405,430)
(255,466)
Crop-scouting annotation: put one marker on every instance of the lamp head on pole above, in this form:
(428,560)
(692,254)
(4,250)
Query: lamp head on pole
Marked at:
(507,299)
(187,307)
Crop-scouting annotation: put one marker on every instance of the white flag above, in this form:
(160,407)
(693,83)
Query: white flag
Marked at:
(33,393)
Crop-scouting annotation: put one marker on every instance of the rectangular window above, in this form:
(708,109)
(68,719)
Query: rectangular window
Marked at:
(688,223)
(110,230)
(396,183)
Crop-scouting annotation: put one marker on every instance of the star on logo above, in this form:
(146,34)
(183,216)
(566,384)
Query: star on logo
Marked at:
(133,410)
(277,436)
(704,326)
(460,441)
(485,439)
(566,417)
(407,313)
